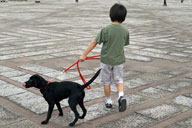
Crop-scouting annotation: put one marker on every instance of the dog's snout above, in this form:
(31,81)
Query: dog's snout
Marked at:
(24,84)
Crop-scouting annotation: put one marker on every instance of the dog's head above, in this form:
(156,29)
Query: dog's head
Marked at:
(34,81)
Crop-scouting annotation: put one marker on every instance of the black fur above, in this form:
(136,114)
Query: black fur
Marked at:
(54,92)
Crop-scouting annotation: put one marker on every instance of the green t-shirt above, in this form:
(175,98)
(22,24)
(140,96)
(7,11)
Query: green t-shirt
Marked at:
(114,37)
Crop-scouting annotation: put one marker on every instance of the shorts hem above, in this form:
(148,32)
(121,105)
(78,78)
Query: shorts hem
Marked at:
(105,84)
(120,82)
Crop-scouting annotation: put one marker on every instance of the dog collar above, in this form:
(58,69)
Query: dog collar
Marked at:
(48,82)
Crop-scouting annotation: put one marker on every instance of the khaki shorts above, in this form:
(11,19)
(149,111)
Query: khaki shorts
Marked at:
(111,74)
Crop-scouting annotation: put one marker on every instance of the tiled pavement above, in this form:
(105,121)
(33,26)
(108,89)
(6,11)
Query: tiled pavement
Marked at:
(47,37)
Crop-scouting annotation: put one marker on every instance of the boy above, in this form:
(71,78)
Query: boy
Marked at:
(114,37)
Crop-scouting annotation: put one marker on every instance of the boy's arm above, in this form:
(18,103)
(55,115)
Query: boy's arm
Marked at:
(88,50)
(127,41)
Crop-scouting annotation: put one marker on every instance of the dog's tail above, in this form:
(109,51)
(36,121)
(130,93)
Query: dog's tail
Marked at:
(91,80)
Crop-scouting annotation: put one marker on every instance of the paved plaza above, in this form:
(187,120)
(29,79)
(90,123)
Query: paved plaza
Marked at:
(47,37)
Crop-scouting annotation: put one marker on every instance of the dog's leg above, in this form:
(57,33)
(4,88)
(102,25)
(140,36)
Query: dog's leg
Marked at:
(74,109)
(73,105)
(84,111)
(50,110)
(59,109)
(81,104)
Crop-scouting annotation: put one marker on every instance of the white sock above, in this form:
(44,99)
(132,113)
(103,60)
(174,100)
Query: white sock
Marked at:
(121,94)
(108,100)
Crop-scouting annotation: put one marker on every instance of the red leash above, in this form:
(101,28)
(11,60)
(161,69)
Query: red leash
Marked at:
(77,63)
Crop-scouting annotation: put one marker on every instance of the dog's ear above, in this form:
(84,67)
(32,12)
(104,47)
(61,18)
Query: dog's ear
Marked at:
(34,80)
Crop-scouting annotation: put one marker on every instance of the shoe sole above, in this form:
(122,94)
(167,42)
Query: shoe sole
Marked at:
(123,106)
(108,109)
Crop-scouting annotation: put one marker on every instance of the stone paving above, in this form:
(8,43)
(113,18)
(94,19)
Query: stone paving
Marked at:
(47,37)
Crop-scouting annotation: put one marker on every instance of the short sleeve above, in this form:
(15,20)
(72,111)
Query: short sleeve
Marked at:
(99,37)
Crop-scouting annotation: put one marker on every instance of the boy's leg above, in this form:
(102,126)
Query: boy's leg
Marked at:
(107,90)
(106,80)
(118,80)
(121,100)
(120,89)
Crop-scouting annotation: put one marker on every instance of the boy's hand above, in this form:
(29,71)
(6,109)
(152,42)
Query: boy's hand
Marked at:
(87,51)
(82,58)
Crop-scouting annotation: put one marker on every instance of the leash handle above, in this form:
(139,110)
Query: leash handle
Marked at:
(77,63)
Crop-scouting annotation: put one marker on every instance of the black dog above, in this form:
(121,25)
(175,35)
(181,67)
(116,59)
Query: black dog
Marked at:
(54,92)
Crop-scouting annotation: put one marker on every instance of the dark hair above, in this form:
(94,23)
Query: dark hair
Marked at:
(118,13)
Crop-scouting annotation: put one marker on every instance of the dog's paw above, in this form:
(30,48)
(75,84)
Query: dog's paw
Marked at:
(44,122)
(60,114)
(72,124)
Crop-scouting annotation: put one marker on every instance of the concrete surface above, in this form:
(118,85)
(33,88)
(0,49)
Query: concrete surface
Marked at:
(49,36)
